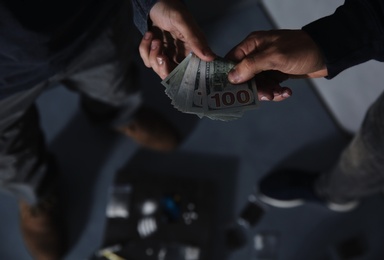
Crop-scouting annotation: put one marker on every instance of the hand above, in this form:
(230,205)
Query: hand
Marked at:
(269,88)
(173,35)
(290,52)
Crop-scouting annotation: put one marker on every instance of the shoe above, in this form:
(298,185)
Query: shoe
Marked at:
(151,130)
(40,229)
(292,188)
(147,128)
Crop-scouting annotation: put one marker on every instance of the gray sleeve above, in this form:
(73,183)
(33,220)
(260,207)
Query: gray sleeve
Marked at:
(141,10)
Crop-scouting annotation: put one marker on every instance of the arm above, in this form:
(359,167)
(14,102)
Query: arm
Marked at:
(324,48)
(352,35)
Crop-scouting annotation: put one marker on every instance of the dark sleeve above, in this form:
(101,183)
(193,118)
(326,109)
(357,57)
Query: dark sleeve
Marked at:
(141,10)
(352,35)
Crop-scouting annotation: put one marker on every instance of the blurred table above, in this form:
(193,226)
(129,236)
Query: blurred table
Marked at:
(349,95)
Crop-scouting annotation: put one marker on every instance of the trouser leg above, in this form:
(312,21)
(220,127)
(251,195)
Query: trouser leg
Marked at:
(23,159)
(360,170)
(106,74)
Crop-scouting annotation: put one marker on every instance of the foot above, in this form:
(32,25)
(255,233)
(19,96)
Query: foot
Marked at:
(40,230)
(292,188)
(150,129)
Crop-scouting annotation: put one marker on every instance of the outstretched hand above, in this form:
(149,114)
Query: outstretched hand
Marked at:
(172,36)
(279,55)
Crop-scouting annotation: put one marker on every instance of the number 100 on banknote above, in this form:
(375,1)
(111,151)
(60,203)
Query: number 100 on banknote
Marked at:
(202,88)
(221,94)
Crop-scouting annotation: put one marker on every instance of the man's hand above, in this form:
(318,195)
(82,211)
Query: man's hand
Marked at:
(276,53)
(173,35)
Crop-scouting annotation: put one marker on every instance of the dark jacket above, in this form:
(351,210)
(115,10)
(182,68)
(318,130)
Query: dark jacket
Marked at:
(352,35)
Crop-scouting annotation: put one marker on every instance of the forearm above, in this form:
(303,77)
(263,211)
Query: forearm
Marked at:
(141,10)
(352,35)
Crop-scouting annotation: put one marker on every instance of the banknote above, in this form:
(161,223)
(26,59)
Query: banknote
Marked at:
(202,88)
(173,81)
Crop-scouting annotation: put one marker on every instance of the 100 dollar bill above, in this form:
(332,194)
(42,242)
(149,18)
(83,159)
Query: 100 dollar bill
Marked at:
(202,88)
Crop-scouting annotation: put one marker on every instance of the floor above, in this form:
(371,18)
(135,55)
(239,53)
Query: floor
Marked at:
(298,132)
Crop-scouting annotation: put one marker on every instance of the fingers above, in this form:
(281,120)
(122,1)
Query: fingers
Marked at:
(282,94)
(152,54)
(246,69)
(144,48)
(252,60)
(187,30)
(236,54)
(269,89)
(245,47)
(158,61)
(173,17)
(199,46)
(278,94)
(289,51)
(190,33)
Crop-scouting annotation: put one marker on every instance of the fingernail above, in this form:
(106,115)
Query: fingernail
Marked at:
(153,46)
(285,95)
(160,61)
(147,36)
(233,76)
(264,98)
(208,53)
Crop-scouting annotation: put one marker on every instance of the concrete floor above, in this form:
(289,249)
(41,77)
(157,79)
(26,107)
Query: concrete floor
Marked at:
(298,132)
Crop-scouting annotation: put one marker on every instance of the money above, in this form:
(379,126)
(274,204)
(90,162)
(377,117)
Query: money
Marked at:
(202,88)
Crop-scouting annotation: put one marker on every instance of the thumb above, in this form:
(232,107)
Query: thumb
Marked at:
(247,69)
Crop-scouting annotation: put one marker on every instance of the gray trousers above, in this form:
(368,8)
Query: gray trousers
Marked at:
(360,170)
(104,73)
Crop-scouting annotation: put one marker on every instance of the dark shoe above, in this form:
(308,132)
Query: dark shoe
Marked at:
(40,229)
(292,188)
(150,129)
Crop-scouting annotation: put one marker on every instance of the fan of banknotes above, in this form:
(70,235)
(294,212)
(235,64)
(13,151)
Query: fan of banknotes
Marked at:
(202,88)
